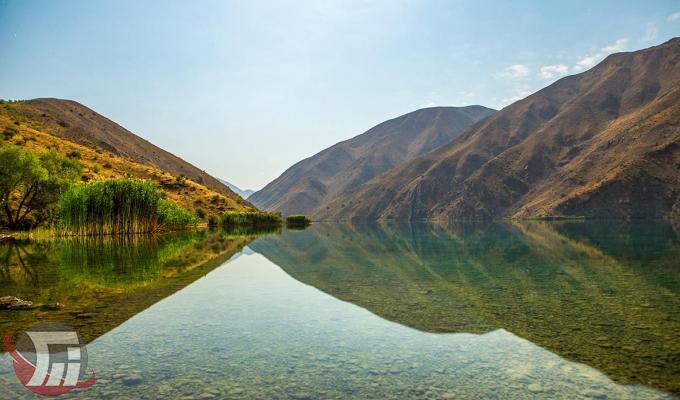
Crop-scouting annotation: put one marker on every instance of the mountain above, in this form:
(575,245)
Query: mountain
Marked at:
(107,150)
(602,144)
(308,186)
(245,193)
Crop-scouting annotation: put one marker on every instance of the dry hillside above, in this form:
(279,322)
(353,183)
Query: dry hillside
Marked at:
(108,151)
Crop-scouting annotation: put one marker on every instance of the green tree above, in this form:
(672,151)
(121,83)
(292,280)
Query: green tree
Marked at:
(30,184)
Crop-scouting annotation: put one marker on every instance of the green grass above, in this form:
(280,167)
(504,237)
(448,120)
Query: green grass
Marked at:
(250,218)
(118,206)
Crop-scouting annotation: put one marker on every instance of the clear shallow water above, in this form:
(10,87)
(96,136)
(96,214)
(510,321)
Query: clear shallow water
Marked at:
(341,311)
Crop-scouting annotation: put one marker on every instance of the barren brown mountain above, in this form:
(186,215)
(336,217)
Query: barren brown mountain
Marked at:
(602,144)
(308,186)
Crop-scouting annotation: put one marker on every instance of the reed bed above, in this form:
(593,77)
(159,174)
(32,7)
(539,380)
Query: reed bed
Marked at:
(117,206)
(251,218)
(297,221)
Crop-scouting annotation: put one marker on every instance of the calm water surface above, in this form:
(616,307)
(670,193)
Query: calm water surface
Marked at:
(527,311)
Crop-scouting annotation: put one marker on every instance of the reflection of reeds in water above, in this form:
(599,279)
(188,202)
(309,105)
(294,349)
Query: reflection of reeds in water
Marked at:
(251,230)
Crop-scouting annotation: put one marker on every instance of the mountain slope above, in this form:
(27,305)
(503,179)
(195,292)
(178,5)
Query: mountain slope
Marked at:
(309,185)
(73,121)
(109,151)
(603,143)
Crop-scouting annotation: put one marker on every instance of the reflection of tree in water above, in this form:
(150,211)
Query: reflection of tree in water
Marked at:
(20,262)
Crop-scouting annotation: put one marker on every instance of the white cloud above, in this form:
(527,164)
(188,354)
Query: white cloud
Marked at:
(519,96)
(553,71)
(674,17)
(587,62)
(590,60)
(619,45)
(516,71)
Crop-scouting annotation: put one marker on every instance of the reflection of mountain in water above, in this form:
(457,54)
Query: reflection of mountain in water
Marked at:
(602,294)
(100,283)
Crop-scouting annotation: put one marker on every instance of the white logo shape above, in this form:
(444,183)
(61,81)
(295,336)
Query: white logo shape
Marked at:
(41,342)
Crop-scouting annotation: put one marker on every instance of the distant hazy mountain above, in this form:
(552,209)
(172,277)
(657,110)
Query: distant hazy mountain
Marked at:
(604,143)
(243,193)
(308,186)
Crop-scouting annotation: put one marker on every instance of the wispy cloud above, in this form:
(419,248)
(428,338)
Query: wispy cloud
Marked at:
(553,71)
(619,45)
(587,62)
(592,59)
(674,17)
(651,34)
(519,96)
(515,71)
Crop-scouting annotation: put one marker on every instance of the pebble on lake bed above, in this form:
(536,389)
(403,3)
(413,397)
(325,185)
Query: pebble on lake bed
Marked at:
(14,303)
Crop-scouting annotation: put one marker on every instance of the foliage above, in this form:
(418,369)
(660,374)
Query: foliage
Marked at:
(172,216)
(73,154)
(118,206)
(181,179)
(200,213)
(30,184)
(9,133)
(296,220)
(251,218)
(212,220)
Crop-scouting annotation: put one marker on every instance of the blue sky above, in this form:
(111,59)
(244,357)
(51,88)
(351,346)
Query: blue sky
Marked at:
(244,89)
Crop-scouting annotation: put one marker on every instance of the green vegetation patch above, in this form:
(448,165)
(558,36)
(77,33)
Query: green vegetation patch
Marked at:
(296,221)
(251,218)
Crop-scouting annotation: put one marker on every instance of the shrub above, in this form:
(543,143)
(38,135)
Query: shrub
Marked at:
(172,216)
(297,220)
(200,213)
(73,155)
(96,168)
(9,133)
(213,220)
(251,218)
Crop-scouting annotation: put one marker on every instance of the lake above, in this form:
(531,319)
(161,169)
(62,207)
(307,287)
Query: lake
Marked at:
(526,310)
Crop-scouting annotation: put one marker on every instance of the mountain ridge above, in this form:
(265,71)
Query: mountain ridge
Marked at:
(309,184)
(603,143)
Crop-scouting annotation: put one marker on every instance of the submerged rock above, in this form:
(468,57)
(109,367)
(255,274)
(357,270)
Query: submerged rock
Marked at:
(132,380)
(535,388)
(52,306)
(14,303)
(87,315)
